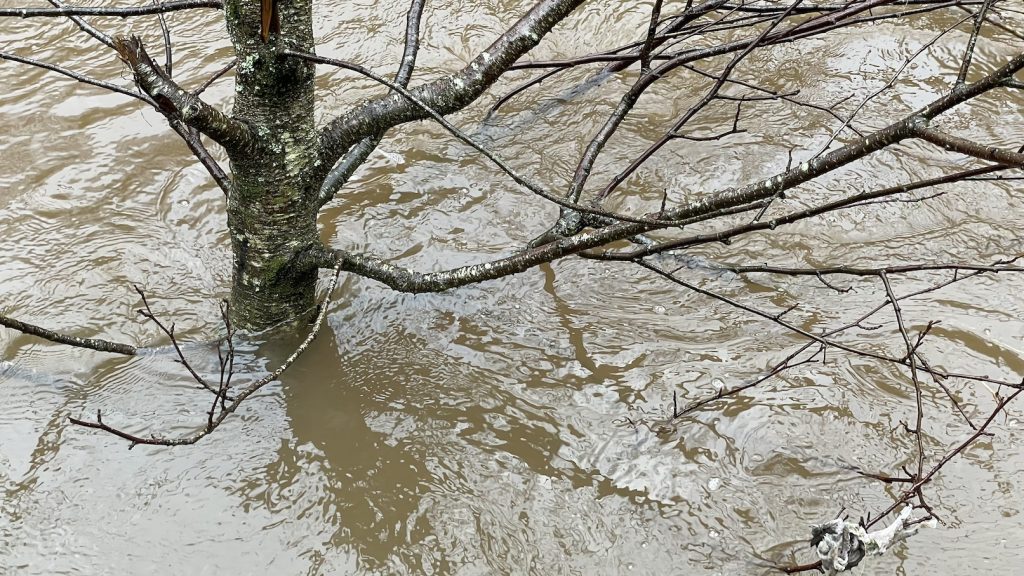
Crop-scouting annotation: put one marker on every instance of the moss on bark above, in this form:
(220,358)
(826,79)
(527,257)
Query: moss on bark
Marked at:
(272,205)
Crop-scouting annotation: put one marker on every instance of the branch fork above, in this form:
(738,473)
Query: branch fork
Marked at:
(178,104)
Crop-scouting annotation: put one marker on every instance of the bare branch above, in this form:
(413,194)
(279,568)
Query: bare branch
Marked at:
(85,26)
(461,135)
(964,146)
(820,348)
(911,359)
(406,280)
(76,76)
(927,477)
(226,408)
(126,12)
(177,104)
(853,271)
(652,30)
(216,75)
(355,157)
(626,105)
(732,233)
(166,31)
(965,64)
(192,139)
(787,363)
(848,121)
(59,338)
(147,313)
(447,94)
(825,338)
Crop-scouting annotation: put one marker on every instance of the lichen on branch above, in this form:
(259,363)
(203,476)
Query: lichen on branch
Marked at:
(177,103)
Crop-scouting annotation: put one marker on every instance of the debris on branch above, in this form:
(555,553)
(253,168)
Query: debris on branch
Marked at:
(841,544)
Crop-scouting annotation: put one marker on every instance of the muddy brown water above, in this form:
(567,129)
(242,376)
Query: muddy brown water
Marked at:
(482,431)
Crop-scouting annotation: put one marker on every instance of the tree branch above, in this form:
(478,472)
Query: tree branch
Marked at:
(447,94)
(854,200)
(168,51)
(178,104)
(85,26)
(89,343)
(970,148)
(406,280)
(79,77)
(216,418)
(461,135)
(853,271)
(190,137)
(361,151)
(965,64)
(628,101)
(127,12)
(195,144)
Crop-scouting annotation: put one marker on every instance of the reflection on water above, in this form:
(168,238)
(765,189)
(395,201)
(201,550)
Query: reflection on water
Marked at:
(484,431)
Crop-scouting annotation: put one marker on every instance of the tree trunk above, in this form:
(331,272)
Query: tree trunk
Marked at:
(272,206)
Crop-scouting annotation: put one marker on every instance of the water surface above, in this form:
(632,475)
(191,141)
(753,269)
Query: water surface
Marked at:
(485,430)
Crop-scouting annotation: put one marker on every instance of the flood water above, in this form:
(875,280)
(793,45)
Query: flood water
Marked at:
(486,430)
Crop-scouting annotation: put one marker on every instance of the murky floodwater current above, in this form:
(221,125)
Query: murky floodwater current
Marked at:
(483,431)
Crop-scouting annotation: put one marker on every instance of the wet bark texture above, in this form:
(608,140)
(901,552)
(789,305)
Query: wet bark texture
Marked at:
(272,205)
(275,193)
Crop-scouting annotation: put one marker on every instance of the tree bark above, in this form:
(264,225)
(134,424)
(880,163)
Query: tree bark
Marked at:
(272,206)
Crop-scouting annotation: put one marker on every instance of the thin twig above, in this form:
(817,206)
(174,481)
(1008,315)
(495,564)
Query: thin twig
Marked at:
(240,396)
